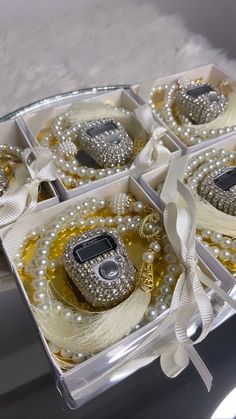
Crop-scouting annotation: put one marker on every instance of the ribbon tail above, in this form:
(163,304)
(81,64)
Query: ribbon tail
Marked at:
(223,295)
(200,366)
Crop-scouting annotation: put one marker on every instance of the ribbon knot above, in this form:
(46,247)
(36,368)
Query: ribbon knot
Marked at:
(22,195)
(153,153)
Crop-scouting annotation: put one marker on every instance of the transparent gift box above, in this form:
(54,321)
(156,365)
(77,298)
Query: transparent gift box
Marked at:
(31,124)
(101,371)
(210,73)
(88,379)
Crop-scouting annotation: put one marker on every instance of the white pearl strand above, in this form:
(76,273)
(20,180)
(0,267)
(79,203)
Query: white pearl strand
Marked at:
(67,135)
(78,217)
(191,134)
(222,247)
(206,162)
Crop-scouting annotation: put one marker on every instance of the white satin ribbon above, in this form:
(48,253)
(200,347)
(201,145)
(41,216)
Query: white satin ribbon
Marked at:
(189,295)
(153,154)
(22,194)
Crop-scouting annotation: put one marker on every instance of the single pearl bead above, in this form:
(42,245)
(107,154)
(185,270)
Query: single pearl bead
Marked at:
(131,226)
(42,251)
(121,228)
(39,295)
(161,307)
(206,234)
(66,353)
(19,264)
(149,227)
(127,219)
(42,261)
(43,306)
(169,279)
(52,264)
(100,203)
(148,257)
(172,269)
(118,219)
(77,318)
(151,313)
(109,221)
(91,222)
(138,206)
(91,172)
(38,283)
(216,237)
(39,272)
(67,314)
(225,243)
(51,235)
(78,357)
(165,289)
(155,246)
(101,221)
(81,223)
(224,255)
(215,251)
(58,307)
(33,234)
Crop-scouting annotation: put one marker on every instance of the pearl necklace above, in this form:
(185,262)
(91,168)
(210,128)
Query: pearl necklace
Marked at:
(80,216)
(71,173)
(220,246)
(190,134)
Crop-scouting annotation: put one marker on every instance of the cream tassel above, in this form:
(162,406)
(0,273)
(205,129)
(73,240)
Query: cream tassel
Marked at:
(209,217)
(96,332)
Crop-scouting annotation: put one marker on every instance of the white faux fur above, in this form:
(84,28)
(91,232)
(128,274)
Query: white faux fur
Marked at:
(101,42)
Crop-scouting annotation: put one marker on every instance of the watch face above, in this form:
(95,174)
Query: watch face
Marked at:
(199,91)
(226,180)
(102,128)
(91,248)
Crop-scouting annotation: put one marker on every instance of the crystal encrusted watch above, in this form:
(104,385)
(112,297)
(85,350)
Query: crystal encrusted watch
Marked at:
(200,102)
(98,264)
(106,142)
(212,175)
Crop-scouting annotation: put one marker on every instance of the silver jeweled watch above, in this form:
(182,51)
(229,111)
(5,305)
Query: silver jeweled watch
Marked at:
(98,264)
(198,101)
(219,189)
(106,142)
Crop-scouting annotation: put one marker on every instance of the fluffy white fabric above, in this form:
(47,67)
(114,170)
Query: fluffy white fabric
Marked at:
(101,42)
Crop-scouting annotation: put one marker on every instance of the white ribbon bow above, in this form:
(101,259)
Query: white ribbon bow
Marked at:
(38,166)
(153,154)
(189,296)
